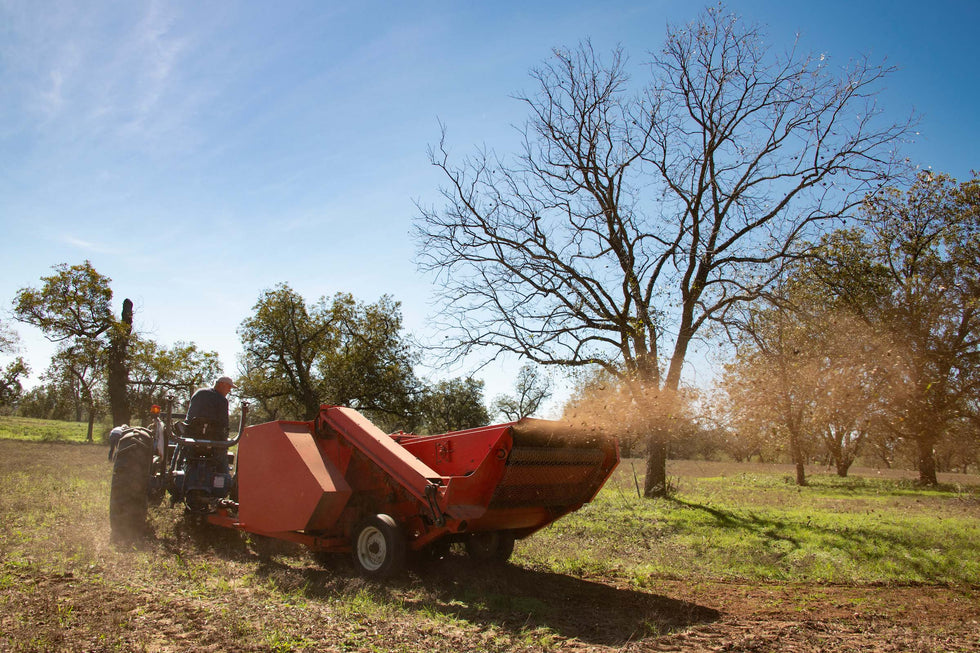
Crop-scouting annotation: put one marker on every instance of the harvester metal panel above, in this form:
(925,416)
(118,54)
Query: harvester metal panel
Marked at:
(284,483)
(379,447)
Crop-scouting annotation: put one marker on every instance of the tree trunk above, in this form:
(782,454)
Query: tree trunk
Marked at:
(927,459)
(843,459)
(655,484)
(118,376)
(796,451)
(91,423)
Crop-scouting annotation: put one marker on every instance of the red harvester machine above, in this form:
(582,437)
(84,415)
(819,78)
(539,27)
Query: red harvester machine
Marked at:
(340,484)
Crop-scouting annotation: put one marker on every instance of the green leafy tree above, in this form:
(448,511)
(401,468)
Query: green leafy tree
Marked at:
(923,247)
(158,371)
(73,306)
(10,381)
(453,405)
(14,371)
(77,370)
(73,303)
(282,341)
(370,364)
(631,221)
(48,401)
(343,352)
(531,390)
(911,277)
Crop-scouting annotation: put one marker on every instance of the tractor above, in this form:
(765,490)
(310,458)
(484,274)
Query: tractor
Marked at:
(339,484)
(168,456)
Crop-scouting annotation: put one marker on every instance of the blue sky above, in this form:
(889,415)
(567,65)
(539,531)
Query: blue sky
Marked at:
(199,153)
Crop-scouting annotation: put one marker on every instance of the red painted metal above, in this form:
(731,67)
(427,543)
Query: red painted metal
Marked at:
(379,447)
(284,483)
(311,482)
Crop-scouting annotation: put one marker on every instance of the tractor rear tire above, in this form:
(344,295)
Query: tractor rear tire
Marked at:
(490,546)
(379,547)
(128,492)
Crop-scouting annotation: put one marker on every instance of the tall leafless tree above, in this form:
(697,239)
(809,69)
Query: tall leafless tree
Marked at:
(629,222)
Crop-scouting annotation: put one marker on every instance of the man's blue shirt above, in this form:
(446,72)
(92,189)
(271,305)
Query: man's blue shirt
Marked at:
(212,405)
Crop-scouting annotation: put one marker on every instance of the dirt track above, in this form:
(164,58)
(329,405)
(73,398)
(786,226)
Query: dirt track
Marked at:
(74,613)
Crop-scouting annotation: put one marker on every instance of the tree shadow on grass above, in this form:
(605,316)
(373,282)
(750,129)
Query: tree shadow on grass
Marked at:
(769,528)
(907,554)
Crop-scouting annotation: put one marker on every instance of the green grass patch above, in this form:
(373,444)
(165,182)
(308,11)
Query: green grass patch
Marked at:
(761,528)
(47,430)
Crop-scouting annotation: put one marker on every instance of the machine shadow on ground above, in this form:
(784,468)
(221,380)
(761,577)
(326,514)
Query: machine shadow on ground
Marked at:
(588,610)
(513,598)
(510,597)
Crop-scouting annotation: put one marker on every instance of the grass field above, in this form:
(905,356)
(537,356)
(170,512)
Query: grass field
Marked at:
(740,559)
(741,522)
(43,430)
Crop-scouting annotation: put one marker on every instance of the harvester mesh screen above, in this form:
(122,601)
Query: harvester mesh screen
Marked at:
(548,477)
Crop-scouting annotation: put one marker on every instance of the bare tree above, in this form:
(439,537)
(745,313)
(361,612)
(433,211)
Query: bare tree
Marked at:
(628,223)
(530,391)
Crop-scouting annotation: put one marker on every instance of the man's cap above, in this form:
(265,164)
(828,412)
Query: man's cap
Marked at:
(225,379)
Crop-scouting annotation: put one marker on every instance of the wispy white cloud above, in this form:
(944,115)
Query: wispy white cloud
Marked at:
(149,69)
(87,245)
(100,72)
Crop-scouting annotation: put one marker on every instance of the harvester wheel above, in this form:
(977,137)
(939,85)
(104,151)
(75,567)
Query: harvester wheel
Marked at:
(491,546)
(379,547)
(128,492)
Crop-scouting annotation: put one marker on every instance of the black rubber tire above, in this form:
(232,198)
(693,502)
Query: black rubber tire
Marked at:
(128,492)
(378,546)
(490,546)
(155,497)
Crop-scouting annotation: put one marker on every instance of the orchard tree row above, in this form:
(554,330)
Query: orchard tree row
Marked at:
(867,346)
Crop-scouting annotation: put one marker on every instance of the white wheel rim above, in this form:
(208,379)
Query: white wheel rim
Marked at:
(372,548)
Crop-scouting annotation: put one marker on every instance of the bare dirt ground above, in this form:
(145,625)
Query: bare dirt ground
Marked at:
(73,613)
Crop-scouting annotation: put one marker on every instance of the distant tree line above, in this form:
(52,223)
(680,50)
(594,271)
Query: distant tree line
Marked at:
(296,356)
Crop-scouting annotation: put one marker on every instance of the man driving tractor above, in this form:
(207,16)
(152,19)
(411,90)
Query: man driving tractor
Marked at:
(207,415)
